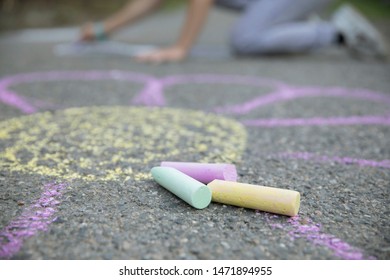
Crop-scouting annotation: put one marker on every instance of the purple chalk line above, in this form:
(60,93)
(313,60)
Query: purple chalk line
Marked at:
(312,232)
(37,217)
(13,99)
(152,94)
(334,121)
(289,93)
(341,160)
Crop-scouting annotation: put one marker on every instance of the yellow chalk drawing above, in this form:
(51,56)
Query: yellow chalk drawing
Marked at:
(115,143)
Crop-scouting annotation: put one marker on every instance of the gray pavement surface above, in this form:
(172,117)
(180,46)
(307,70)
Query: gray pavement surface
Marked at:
(342,171)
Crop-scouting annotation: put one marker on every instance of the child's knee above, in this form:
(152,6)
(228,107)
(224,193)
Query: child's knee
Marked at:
(244,43)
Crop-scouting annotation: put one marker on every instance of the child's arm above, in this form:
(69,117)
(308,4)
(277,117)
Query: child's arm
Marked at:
(196,17)
(133,11)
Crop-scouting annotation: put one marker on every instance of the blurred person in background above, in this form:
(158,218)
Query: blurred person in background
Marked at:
(264,27)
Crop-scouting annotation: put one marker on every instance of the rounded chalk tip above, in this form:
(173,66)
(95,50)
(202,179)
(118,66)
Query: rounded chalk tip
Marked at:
(230,173)
(295,205)
(155,169)
(201,198)
(158,169)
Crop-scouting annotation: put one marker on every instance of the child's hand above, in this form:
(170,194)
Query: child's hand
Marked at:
(172,54)
(87,32)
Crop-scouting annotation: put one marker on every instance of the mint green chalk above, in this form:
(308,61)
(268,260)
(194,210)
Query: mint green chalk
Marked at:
(190,190)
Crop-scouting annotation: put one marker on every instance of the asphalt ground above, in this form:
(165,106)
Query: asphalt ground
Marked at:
(78,138)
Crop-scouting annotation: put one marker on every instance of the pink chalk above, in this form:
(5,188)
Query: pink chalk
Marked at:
(205,172)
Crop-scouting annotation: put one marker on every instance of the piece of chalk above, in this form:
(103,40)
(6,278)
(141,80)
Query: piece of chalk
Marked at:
(205,172)
(100,32)
(190,190)
(274,200)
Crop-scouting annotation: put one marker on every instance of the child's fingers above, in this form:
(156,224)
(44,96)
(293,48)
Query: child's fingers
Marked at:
(86,32)
(144,58)
(160,56)
(155,57)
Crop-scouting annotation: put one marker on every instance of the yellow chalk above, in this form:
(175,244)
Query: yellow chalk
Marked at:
(274,200)
(101,144)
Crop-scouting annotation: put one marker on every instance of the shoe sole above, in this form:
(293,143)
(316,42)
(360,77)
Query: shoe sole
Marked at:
(352,17)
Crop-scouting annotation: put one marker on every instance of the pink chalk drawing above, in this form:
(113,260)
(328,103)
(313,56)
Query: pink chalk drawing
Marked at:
(13,99)
(35,218)
(298,227)
(340,160)
(153,93)
(354,120)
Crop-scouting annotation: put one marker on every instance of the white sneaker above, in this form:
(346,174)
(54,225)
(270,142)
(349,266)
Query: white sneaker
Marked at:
(361,37)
